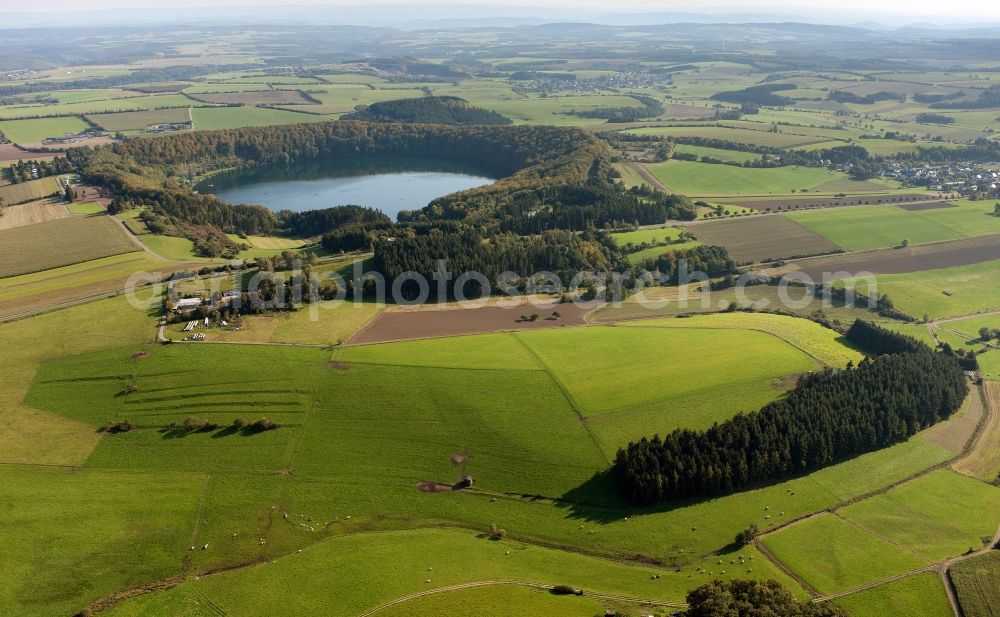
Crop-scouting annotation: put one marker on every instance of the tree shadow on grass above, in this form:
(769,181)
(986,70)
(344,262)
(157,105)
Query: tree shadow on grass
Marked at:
(596,501)
(179,432)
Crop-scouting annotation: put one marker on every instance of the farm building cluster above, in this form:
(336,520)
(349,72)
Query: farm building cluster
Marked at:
(70,138)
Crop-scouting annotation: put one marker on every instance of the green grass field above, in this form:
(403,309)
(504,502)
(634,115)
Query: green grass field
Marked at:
(86,209)
(33,248)
(970,326)
(172,247)
(989,365)
(31,436)
(669,302)
(921,594)
(139,120)
(940,515)
(87,273)
(946,292)
(759,137)
(73,537)
(501,357)
(878,226)
(211,118)
(34,131)
(484,395)
(823,344)
(735,156)
(977,583)
(833,555)
(706,384)
(692,178)
(404,561)
(639,236)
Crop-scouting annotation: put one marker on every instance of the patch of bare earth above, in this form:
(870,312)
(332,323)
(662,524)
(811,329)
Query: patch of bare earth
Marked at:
(763,237)
(10,152)
(413,324)
(926,205)
(949,254)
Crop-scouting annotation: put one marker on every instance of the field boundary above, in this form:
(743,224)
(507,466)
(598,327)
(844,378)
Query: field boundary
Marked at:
(531,584)
(815,359)
(566,394)
(939,566)
(989,428)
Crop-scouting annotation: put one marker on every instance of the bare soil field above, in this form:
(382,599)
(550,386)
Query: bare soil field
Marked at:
(253,97)
(33,212)
(10,152)
(910,259)
(762,237)
(926,205)
(402,325)
(822,202)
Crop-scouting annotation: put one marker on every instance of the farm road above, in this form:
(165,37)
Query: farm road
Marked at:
(491,583)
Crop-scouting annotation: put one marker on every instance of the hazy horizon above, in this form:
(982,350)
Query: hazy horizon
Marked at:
(889,12)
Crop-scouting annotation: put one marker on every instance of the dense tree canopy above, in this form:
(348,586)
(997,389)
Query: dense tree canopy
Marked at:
(750,598)
(428,110)
(152,171)
(550,179)
(830,416)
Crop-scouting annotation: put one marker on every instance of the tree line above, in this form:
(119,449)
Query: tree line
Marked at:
(559,251)
(24,171)
(651,108)
(761,95)
(830,416)
(551,178)
(525,158)
(428,110)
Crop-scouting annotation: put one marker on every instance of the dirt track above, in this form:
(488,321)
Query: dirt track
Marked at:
(472,585)
(981,461)
(648,177)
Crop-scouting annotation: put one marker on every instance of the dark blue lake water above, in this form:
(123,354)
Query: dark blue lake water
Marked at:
(389,184)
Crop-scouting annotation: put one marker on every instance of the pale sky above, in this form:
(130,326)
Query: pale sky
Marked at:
(955,11)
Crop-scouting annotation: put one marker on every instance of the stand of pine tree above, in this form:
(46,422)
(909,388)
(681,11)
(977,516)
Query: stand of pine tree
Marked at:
(829,417)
